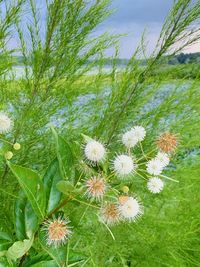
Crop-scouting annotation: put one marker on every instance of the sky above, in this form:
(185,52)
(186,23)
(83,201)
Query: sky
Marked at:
(133,17)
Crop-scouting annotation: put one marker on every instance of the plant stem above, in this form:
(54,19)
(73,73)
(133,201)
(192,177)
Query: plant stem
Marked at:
(61,205)
(22,260)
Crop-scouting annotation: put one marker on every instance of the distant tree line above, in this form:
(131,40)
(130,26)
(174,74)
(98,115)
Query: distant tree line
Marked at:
(171,60)
(184,58)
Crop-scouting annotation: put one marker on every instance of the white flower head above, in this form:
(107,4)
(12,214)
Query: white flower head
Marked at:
(133,136)
(94,151)
(154,167)
(5,123)
(129,139)
(139,133)
(155,185)
(164,158)
(130,208)
(123,165)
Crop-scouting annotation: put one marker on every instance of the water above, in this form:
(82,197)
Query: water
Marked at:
(19,71)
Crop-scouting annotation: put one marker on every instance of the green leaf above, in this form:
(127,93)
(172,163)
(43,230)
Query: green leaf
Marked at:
(58,254)
(26,221)
(31,220)
(4,148)
(67,188)
(65,156)
(86,138)
(32,186)
(5,242)
(19,217)
(38,258)
(76,257)
(51,263)
(2,254)
(51,178)
(5,262)
(5,236)
(19,248)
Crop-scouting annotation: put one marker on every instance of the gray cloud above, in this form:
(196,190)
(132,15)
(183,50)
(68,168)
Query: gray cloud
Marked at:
(133,17)
(140,11)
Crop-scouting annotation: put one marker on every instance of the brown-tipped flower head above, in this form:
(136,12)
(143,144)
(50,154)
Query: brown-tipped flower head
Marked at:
(96,187)
(110,213)
(57,231)
(167,142)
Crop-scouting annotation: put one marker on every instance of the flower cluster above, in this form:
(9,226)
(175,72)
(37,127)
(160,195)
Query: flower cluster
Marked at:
(126,208)
(132,137)
(109,182)
(123,168)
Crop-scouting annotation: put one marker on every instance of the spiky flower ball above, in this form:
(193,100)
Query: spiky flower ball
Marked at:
(154,167)
(167,142)
(163,158)
(110,213)
(128,139)
(133,136)
(155,185)
(123,165)
(5,123)
(94,151)
(57,231)
(129,207)
(96,188)
(139,133)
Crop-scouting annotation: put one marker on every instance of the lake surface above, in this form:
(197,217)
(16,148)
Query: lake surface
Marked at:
(19,71)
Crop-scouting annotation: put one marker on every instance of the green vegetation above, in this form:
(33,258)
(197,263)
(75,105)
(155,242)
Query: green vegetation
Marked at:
(57,91)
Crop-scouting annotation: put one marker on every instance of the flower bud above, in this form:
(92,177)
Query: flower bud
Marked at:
(125,189)
(17,146)
(8,155)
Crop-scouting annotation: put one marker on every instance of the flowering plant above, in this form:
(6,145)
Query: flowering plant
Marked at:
(95,181)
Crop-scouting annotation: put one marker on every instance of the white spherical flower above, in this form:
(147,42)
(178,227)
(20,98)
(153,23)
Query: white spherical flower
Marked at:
(5,123)
(130,208)
(129,139)
(139,133)
(154,167)
(94,151)
(164,158)
(155,185)
(123,165)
